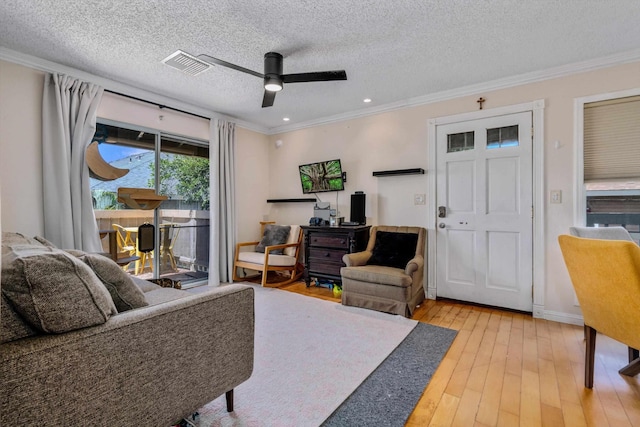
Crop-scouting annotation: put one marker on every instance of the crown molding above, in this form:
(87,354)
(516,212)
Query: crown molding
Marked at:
(505,83)
(119,87)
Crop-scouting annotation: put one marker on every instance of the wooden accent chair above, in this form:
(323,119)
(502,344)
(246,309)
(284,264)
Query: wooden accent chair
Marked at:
(274,257)
(388,275)
(606,277)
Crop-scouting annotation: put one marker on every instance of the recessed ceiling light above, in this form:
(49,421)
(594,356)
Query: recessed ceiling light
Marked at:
(286,119)
(366,100)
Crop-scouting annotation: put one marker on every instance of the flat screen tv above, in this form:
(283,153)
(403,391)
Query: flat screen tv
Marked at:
(321,176)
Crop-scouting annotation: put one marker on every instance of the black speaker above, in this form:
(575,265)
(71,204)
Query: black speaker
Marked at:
(357,208)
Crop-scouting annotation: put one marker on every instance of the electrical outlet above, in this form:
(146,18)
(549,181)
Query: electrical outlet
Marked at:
(555,196)
(419,199)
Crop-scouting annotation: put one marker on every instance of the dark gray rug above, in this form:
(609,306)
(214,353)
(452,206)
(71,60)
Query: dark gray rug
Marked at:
(387,397)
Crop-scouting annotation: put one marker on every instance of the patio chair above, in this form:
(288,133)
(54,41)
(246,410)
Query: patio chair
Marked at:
(126,247)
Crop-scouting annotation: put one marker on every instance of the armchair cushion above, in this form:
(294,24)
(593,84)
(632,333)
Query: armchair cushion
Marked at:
(274,260)
(390,276)
(294,237)
(274,235)
(393,249)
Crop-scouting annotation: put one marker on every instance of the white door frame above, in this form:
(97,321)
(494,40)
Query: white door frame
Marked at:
(537,109)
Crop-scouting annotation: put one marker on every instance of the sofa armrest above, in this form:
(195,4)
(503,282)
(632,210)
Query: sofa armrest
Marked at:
(356,259)
(175,356)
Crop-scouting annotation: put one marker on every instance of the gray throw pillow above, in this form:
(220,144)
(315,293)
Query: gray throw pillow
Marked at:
(125,294)
(44,241)
(52,290)
(12,326)
(274,235)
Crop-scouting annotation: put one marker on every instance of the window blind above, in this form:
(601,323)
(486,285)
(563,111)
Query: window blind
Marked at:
(612,139)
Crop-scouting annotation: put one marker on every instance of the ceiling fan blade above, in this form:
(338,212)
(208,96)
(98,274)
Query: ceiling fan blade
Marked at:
(318,76)
(269,97)
(212,60)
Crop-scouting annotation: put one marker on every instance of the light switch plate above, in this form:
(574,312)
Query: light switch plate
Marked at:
(419,199)
(555,196)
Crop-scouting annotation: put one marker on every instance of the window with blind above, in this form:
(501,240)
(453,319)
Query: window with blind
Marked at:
(612,140)
(612,163)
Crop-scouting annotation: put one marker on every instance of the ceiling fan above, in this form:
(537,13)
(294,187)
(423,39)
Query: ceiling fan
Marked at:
(273,77)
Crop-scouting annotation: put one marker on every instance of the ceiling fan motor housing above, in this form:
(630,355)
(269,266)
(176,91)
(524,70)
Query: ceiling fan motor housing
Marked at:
(272,68)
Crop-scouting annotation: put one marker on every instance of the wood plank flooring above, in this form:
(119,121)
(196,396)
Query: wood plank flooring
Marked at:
(509,369)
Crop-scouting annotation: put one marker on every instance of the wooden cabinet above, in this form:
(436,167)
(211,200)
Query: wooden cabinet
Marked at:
(325,246)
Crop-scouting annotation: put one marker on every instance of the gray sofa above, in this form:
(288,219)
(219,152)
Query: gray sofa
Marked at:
(147,366)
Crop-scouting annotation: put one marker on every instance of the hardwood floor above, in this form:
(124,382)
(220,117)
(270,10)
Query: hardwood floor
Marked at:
(509,369)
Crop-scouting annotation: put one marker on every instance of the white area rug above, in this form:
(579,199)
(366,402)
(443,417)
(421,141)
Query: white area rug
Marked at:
(310,355)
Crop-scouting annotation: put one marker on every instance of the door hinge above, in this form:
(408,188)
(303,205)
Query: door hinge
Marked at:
(531,132)
(531,212)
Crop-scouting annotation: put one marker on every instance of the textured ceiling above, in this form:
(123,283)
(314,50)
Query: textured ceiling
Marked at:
(391,50)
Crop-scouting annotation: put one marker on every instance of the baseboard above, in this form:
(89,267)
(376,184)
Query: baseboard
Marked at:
(556,316)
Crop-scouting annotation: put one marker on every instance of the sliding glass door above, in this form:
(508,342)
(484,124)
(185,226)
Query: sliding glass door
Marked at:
(173,166)
(183,172)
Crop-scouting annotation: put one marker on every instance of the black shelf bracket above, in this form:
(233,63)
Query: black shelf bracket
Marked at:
(414,171)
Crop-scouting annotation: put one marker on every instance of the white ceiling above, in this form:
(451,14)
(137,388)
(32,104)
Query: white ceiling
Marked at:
(392,51)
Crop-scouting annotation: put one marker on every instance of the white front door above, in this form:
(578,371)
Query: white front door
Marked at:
(484,221)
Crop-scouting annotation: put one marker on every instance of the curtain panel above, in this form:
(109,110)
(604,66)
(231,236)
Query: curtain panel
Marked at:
(69,110)
(223,214)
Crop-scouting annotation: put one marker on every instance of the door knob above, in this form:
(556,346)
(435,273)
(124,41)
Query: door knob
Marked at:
(442,225)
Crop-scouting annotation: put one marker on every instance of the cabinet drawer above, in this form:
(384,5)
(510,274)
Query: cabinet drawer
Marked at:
(325,255)
(322,268)
(329,241)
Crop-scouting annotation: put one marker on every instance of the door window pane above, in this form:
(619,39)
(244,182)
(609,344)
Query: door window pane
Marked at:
(134,151)
(460,141)
(502,137)
(184,217)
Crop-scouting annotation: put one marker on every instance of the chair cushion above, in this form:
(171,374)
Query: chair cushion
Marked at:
(52,290)
(274,235)
(377,274)
(275,260)
(393,249)
(293,238)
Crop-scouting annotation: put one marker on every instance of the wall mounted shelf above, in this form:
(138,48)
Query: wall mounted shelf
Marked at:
(414,171)
(303,200)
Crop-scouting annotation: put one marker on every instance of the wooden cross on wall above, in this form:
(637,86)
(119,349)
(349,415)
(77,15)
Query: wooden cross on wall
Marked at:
(480,101)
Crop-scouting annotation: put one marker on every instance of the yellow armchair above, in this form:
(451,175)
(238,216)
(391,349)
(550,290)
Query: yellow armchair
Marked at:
(606,277)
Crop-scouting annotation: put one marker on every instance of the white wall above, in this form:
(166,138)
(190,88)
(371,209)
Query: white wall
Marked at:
(393,140)
(252,183)
(20,149)
(123,109)
(398,140)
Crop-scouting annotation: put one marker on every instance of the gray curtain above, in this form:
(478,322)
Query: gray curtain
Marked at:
(223,214)
(69,110)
